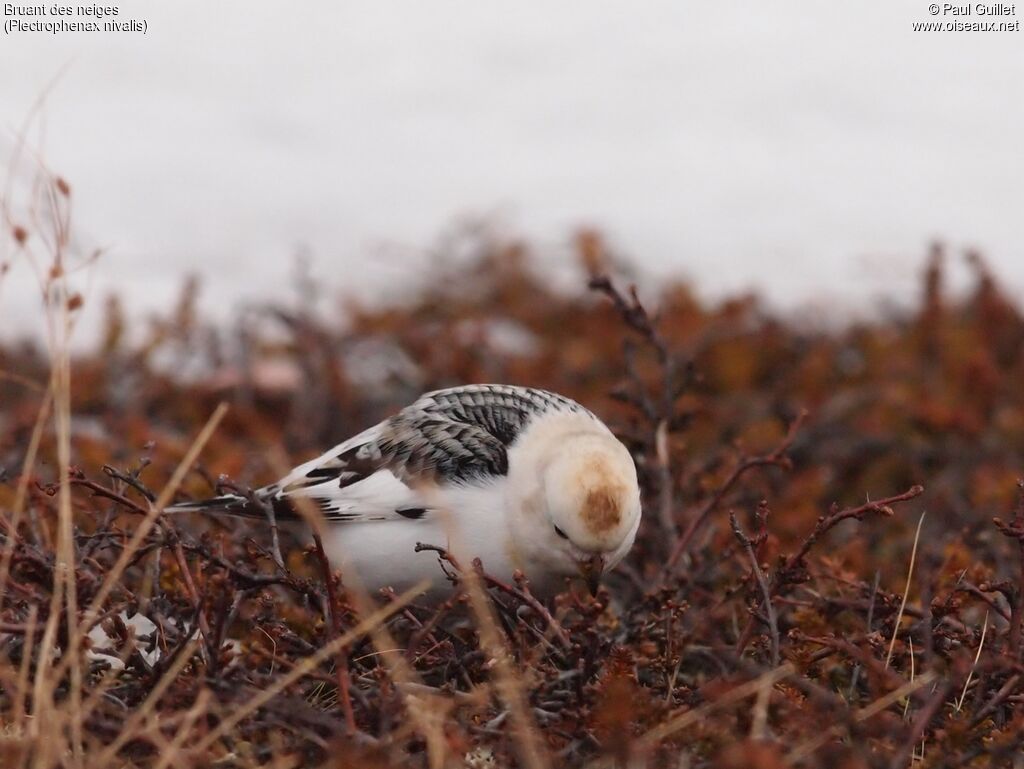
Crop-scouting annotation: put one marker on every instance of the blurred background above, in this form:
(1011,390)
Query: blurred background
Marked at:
(808,151)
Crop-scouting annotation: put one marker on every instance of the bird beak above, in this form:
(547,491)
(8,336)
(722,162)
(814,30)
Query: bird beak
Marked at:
(591,570)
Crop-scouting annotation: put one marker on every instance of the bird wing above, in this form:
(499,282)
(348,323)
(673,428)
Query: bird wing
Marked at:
(385,472)
(501,410)
(458,436)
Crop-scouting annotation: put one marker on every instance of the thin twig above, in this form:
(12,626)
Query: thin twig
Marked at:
(773,624)
(793,570)
(776,456)
(906,592)
(334,610)
(1015,530)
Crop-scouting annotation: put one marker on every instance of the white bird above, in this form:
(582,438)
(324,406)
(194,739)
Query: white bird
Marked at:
(521,478)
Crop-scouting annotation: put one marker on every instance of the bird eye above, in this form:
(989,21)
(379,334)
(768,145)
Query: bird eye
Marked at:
(561,533)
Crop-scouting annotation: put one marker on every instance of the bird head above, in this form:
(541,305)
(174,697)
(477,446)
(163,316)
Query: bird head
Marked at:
(592,501)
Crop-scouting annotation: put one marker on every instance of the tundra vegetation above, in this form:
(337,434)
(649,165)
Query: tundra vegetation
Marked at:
(830,570)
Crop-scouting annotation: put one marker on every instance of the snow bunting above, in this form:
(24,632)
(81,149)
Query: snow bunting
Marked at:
(520,478)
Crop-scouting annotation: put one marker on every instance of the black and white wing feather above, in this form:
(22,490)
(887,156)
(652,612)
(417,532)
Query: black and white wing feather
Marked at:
(448,437)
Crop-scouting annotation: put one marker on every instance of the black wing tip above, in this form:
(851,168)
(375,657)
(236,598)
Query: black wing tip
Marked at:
(231,504)
(412,513)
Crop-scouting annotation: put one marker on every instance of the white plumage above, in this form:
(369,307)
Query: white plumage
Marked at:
(520,478)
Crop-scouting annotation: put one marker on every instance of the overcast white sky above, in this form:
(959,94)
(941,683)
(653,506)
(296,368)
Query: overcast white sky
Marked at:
(804,148)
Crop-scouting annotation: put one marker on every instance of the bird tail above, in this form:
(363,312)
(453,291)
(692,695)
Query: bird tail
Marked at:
(228,504)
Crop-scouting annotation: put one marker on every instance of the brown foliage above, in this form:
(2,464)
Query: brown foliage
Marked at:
(727,409)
